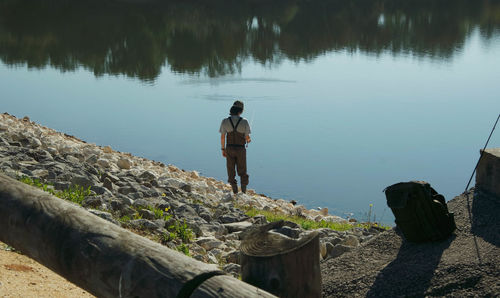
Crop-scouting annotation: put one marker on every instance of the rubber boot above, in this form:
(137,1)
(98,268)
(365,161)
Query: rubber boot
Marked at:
(244,189)
(235,188)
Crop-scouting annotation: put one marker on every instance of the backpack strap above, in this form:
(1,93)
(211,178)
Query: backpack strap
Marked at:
(237,123)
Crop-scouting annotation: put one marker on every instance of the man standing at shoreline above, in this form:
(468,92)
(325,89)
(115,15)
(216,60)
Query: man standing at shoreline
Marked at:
(237,132)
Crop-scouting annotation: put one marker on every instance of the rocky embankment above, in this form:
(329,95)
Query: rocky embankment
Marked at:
(181,209)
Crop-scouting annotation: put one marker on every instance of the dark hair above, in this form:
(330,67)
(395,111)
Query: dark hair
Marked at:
(235,111)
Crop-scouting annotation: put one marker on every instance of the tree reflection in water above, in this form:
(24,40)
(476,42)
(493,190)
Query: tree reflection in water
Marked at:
(216,37)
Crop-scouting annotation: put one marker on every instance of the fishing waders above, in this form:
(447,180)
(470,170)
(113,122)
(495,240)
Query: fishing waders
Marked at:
(236,157)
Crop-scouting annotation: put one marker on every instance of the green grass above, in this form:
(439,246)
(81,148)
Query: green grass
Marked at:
(159,213)
(75,194)
(184,249)
(177,231)
(306,224)
(125,219)
(181,231)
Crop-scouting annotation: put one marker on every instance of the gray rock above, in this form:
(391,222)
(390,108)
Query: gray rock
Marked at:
(25,142)
(333,240)
(92,202)
(127,210)
(41,173)
(108,184)
(144,224)
(185,211)
(4,142)
(125,190)
(93,159)
(142,203)
(124,163)
(62,185)
(111,177)
(148,176)
(329,247)
(194,224)
(232,269)
(124,199)
(176,183)
(338,250)
(351,241)
(215,229)
(206,216)
(103,162)
(260,220)
(322,250)
(71,159)
(287,231)
(146,214)
(91,171)
(105,215)
(136,195)
(201,258)
(82,181)
(211,258)
(375,230)
(101,190)
(160,222)
(41,155)
(237,226)
(232,257)
(217,253)
(117,205)
(229,218)
(209,243)
(365,238)
(325,232)
(197,250)
(232,236)
(356,231)
(227,198)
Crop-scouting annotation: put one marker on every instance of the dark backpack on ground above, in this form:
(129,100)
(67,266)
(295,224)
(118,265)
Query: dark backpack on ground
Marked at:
(421,213)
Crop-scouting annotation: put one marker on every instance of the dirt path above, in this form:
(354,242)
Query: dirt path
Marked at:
(390,267)
(21,276)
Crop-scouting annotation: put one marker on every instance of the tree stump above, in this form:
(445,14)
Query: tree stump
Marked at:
(281,265)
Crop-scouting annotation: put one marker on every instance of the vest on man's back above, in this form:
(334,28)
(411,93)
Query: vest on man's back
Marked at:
(235,138)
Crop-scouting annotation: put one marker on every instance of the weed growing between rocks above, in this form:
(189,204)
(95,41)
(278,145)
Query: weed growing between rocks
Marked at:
(307,224)
(182,231)
(176,232)
(75,194)
(184,249)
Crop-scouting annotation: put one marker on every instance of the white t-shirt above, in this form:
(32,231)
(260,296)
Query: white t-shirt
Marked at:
(243,127)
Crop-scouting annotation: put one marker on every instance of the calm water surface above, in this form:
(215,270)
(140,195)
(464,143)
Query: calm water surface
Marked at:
(344,97)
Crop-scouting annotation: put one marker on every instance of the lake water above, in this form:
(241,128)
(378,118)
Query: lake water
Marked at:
(344,97)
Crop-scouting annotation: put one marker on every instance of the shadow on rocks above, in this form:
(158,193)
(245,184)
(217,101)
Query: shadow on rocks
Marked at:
(485,220)
(410,274)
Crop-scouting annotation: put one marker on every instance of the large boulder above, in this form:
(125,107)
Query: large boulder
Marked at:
(124,163)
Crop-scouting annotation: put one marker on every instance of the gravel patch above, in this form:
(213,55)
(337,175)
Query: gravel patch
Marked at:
(465,265)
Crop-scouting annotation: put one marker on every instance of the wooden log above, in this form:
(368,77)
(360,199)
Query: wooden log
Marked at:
(280,265)
(96,255)
(223,286)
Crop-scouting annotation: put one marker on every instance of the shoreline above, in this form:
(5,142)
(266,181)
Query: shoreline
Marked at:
(183,210)
(163,170)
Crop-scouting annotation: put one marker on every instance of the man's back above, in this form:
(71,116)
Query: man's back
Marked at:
(243,127)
